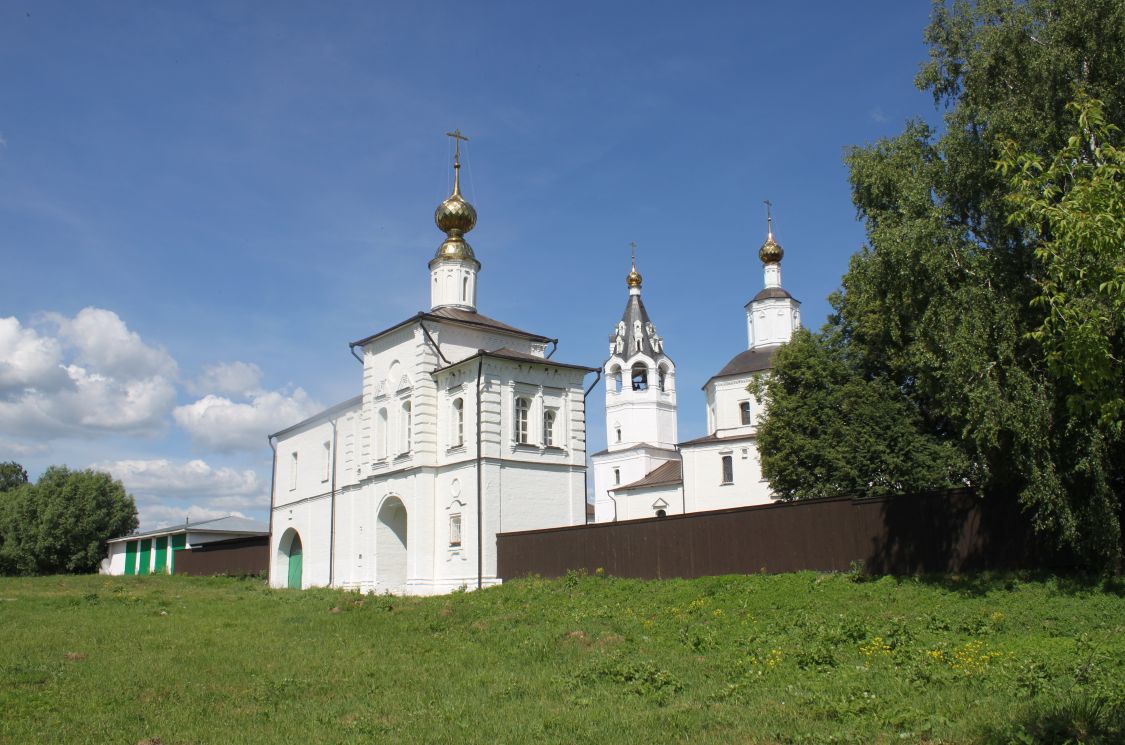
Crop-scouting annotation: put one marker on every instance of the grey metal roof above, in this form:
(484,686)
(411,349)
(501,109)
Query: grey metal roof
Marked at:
(665,474)
(711,439)
(456,315)
(336,409)
(749,361)
(228,524)
(636,325)
(638,446)
(772,292)
(510,354)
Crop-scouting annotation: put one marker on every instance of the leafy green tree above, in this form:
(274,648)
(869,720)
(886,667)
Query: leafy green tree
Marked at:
(832,432)
(1076,204)
(941,305)
(12,474)
(62,522)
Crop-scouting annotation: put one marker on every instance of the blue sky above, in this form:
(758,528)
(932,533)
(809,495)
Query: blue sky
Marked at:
(202,203)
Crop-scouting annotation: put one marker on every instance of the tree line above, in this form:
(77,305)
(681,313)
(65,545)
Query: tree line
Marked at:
(60,524)
(978,338)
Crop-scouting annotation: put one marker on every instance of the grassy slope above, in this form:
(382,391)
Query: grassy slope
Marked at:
(790,658)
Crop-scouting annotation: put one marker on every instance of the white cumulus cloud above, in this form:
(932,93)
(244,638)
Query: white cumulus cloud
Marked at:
(228,379)
(91,375)
(168,491)
(216,423)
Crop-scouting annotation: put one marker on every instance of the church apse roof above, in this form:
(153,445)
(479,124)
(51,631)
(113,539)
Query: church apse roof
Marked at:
(749,361)
(666,474)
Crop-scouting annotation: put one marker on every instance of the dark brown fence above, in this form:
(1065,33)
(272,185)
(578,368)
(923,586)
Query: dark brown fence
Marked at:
(235,556)
(941,532)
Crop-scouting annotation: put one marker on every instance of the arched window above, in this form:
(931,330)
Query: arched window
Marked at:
(617,432)
(549,428)
(662,377)
(728,469)
(614,379)
(465,290)
(457,424)
(523,414)
(744,412)
(407,426)
(640,377)
(381,434)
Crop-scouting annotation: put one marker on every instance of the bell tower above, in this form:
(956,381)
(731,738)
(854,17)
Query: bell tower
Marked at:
(640,401)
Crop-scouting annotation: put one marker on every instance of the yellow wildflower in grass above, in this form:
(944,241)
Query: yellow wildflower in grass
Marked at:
(877,647)
(972,658)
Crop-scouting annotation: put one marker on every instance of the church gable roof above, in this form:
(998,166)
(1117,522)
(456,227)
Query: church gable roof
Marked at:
(461,317)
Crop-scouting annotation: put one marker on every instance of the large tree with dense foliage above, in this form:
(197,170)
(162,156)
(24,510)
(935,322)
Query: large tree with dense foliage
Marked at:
(12,475)
(944,304)
(60,524)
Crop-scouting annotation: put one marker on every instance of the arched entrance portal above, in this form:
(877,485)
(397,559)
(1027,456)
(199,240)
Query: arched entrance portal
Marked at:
(292,559)
(390,546)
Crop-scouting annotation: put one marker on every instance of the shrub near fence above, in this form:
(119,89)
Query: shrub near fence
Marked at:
(951,531)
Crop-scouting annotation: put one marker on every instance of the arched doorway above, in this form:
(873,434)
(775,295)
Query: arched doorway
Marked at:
(390,546)
(292,558)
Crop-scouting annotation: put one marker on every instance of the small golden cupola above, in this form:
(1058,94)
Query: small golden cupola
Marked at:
(455,216)
(771,251)
(454,267)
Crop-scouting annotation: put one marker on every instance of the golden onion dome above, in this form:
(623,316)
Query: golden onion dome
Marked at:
(455,217)
(634,279)
(455,214)
(771,251)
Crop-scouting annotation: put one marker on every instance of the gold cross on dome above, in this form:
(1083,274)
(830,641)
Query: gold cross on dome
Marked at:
(633,246)
(457,138)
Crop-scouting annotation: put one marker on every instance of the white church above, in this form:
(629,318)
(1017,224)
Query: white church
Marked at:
(645,471)
(466,427)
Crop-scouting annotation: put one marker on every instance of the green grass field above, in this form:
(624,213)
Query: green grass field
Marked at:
(762,659)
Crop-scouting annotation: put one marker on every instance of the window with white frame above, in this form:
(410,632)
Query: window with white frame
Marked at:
(381,434)
(407,427)
(455,530)
(326,463)
(457,423)
(744,412)
(728,469)
(522,421)
(549,417)
(293,472)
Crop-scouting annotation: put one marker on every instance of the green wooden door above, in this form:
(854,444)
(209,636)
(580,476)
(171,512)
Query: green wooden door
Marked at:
(131,557)
(179,542)
(295,563)
(146,547)
(161,555)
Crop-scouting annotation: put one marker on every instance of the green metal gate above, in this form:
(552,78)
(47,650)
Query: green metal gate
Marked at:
(295,561)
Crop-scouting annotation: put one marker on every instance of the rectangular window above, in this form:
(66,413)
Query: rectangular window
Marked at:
(744,410)
(454,530)
(326,465)
(407,427)
(549,416)
(728,469)
(293,472)
(523,414)
(457,436)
